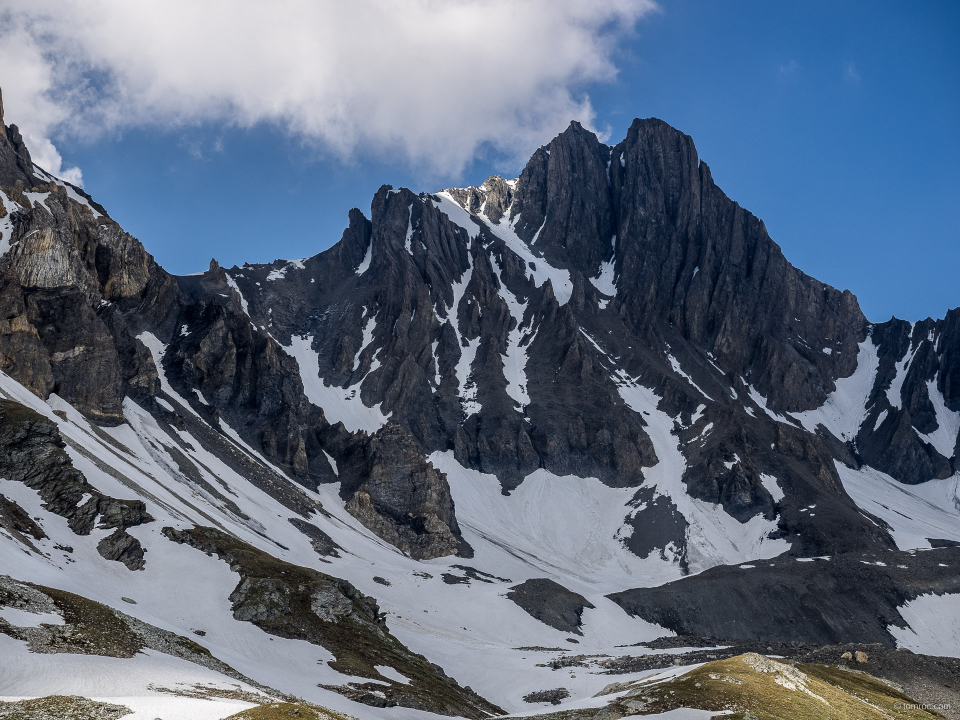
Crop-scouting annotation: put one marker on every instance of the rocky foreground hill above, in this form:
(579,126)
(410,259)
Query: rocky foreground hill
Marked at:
(489,430)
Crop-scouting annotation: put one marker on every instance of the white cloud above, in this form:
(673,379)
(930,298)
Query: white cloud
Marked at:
(26,79)
(432,80)
(850,73)
(790,68)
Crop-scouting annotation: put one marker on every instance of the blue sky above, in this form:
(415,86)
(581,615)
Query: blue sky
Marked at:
(836,123)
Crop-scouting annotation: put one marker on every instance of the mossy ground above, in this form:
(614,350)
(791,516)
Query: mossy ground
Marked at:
(752,687)
(736,684)
(61,707)
(93,628)
(289,711)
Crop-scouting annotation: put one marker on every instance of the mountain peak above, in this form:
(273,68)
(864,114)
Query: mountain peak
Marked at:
(601,380)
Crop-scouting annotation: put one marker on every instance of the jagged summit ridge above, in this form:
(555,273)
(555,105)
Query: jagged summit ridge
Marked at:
(601,380)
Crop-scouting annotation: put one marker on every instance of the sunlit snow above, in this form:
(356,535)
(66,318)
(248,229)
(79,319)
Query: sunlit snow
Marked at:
(933,625)
(338,404)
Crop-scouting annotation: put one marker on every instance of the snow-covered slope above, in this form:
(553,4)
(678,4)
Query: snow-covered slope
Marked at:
(489,430)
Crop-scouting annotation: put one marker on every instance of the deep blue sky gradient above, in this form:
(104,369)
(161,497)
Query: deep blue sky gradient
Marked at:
(837,123)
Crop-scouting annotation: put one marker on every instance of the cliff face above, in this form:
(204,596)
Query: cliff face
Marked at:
(497,321)
(76,295)
(608,316)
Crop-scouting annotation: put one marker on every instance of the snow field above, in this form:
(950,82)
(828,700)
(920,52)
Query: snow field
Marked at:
(470,630)
(339,404)
(915,512)
(934,625)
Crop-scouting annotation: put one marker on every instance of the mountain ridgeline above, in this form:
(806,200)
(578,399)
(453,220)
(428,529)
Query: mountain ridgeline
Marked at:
(609,315)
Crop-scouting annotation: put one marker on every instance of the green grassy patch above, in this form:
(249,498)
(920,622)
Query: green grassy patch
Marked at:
(753,686)
(289,711)
(90,628)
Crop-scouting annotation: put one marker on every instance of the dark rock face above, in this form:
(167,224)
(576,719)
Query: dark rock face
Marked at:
(15,163)
(657,527)
(756,314)
(916,364)
(16,521)
(848,598)
(505,336)
(122,547)
(64,282)
(551,603)
(689,257)
(321,543)
(554,697)
(31,452)
(402,498)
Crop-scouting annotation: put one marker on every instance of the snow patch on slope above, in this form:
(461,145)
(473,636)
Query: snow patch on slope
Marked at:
(236,288)
(131,682)
(844,410)
(468,388)
(468,350)
(605,282)
(38,199)
(22,618)
(338,404)
(944,438)
(407,243)
(896,385)
(6,223)
(761,401)
(675,364)
(367,257)
(459,288)
(934,625)
(368,327)
(158,350)
(458,216)
(536,267)
(916,513)
(515,358)
(713,536)
(771,485)
(560,526)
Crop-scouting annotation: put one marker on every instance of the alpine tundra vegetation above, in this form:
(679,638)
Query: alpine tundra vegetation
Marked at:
(580,444)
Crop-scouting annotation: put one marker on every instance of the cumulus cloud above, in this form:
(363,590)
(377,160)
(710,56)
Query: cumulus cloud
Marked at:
(430,80)
(27,82)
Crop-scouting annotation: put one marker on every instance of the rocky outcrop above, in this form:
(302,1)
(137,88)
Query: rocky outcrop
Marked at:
(16,167)
(783,600)
(16,521)
(321,543)
(402,498)
(913,393)
(32,452)
(122,547)
(505,330)
(69,271)
(296,602)
(551,603)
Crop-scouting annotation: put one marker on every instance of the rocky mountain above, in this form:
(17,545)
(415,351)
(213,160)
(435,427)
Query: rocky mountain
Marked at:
(585,408)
